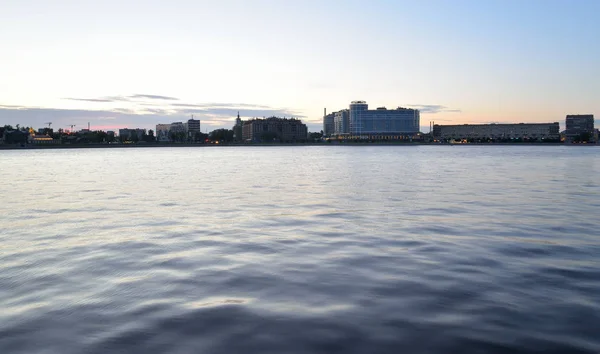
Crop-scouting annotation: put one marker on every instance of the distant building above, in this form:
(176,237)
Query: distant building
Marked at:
(577,124)
(238,128)
(177,127)
(132,134)
(162,132)
(328,127)
(42,139)
(165,132)
(382,121)
(341,122)
(192,127)
(535,131)
(282,129)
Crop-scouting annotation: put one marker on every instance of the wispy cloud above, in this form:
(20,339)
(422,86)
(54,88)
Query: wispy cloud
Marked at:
(144,111)
(154,97)
(10,106)
(212,117)
(122,98)
(220,105)
(433,108)
(232,112)
(88,99)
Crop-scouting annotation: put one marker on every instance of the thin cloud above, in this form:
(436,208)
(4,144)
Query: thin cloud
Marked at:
(232,112)
(154,97)
(220,105)
(88,99)
(123,117)
(433,108)
(122,98)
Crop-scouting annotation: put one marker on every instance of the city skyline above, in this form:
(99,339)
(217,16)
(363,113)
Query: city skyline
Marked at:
(120,64)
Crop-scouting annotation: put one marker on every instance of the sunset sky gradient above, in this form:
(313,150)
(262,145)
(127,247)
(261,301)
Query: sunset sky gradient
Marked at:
(137,63)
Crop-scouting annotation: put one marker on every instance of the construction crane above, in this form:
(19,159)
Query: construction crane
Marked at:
(49,124)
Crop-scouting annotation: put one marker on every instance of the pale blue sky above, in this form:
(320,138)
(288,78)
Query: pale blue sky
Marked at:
(462,61)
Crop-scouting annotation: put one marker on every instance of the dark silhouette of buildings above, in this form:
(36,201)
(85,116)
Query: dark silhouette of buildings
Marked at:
(274,129)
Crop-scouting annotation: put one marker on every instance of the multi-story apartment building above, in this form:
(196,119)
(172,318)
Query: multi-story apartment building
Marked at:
(536,131)
(192,126)
(162,132)
(328,126)
(283,129)
(341,123)
(382,121)
(576,124)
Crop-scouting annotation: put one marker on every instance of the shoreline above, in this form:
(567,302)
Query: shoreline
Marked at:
(162,145)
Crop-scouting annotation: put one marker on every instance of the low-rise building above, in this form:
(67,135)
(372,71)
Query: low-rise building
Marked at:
(42,139)
(533,131)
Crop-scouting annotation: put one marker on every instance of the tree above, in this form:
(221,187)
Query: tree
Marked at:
(200,137)
(150,137)
(4,129)
(225,135)
(16,137)
(315,135)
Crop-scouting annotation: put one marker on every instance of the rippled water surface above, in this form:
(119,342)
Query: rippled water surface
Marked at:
(328,249)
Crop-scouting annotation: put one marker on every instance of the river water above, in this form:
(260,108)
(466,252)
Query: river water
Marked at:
(300,249)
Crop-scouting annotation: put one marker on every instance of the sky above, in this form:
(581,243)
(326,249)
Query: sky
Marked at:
(134,64)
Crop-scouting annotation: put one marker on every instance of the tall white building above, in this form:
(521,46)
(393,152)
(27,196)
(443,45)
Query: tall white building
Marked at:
(341,122)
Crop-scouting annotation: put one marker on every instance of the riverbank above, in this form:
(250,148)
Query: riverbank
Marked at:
(164,145)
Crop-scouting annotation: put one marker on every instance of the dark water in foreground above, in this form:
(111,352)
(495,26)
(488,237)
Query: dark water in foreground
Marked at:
(300,250)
